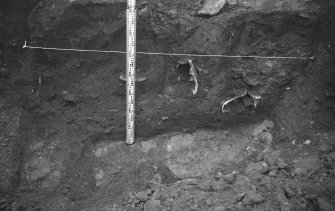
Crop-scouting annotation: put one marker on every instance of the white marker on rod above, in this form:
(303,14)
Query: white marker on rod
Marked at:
(131,70)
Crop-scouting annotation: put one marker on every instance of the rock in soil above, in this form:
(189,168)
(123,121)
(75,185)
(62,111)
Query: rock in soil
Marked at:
(266,138)
(272,158)
(69,97)
(153,205)
(281,197)
(212,7)
(255,169)
(232,2)
(289,192)
(243,184)
(40,168)
(142,196)
(230,178)
(252,198)
(273,173)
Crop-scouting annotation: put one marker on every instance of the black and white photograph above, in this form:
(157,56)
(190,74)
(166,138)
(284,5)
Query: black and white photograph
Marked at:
(167,105)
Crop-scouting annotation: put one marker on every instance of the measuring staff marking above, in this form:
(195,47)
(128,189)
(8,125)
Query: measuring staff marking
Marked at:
(131,68)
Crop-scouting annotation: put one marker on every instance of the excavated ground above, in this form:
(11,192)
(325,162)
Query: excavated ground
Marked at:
(62,120)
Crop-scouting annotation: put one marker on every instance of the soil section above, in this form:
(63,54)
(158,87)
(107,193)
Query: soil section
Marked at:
(62,117)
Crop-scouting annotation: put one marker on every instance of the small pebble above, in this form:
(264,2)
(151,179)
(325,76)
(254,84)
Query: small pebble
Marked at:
(232,2)
(273,173)
(289,192)
(252,198)
(229,178)
(173,12)
(69,97)
(150,192)
(142,196)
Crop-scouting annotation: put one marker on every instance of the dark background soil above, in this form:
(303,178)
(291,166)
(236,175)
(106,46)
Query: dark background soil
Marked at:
(48,130)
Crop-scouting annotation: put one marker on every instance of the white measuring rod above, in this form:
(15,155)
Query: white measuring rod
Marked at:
(131,70)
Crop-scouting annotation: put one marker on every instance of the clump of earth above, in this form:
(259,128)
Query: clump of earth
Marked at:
(212,133)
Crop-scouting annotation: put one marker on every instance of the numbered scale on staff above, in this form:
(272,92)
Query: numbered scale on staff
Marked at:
(131,70)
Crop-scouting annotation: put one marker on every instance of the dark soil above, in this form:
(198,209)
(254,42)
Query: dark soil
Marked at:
(62,114)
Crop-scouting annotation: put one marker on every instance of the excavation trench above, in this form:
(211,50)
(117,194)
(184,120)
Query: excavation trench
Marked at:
(87,88)
(69,113)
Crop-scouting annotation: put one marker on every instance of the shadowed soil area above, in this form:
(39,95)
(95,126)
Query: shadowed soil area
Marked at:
(62,113)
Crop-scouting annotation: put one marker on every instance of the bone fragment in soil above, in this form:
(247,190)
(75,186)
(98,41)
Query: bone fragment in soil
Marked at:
(255,98)
(194,74)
